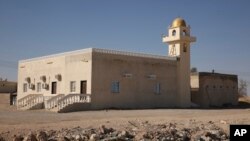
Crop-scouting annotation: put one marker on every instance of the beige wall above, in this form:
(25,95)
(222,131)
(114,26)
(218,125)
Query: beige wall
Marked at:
(4,99)
(137,91)
(194,80)
(183,78)
(6,90)
(102,67)
(78,68)
(216,90)
(48,67)
(71,67)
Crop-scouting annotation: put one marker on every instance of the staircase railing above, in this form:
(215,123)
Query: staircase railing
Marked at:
(53,102)
(73,98)
(30,100)
(22,102)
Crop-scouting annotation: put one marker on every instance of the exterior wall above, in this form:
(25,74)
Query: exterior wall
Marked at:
(216,90)
(138,75)
(71,67)
(7,93)
(136,91)
(183,78)
(78,68)
(194,80)
(48,67)
(5,99)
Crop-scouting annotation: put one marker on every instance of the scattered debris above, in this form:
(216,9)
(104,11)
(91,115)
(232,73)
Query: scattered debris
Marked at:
(144,131)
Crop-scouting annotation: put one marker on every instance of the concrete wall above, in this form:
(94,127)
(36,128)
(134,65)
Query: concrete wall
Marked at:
(78,68)
(194,77)
(138,75)
(5,99)
(216,90)
(7,90)
(71,67)
(136,91)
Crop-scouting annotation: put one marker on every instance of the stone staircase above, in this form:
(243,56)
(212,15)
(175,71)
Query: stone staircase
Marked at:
(59,103)
(73,102)
(30,102)
(52,102)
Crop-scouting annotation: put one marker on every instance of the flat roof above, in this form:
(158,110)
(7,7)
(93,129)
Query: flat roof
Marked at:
(216,74)
(106,51)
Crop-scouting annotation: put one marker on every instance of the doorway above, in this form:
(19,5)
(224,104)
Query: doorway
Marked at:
(83,87)
(53,88)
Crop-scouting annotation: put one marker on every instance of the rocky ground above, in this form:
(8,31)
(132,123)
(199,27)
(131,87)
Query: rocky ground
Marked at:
(122,125)
(137,130)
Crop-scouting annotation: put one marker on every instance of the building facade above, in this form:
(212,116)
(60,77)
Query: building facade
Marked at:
(98,78)
(211,89)
(7,93)
(107,78)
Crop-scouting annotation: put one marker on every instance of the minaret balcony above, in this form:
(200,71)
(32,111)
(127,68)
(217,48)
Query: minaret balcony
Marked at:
(169,39)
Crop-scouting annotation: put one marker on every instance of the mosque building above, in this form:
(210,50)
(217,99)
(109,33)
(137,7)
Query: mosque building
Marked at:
(93,78)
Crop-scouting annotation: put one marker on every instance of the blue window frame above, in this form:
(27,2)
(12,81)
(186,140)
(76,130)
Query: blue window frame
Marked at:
(115,87)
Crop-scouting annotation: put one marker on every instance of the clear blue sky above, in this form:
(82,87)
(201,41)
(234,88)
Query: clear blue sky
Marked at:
(32,28)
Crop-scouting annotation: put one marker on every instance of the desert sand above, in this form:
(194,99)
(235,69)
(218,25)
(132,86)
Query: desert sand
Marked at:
(15,122)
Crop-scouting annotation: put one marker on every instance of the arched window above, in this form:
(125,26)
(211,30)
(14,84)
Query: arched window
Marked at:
(173,33)
(184,33)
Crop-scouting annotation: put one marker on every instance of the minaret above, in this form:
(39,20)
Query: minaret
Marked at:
(179,40)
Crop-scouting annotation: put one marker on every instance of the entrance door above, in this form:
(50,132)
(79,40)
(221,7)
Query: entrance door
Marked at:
(83,87)
(53,88)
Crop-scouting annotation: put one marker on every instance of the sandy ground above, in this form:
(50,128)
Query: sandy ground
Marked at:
(16,122)
(21,121)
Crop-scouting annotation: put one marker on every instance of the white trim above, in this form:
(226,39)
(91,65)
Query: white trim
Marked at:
(133,54)
(87,50)
(106,51)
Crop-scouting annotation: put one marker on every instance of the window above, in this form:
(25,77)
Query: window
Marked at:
(173,33)
(184,33)
(25,87)
(39,85)
(157,88)
(72,86)
(115,87)
(184,48)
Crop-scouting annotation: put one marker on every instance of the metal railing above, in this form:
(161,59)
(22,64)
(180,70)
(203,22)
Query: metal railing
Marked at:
(73,98)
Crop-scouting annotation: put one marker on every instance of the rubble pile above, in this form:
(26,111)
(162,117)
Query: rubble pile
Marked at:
(135,131)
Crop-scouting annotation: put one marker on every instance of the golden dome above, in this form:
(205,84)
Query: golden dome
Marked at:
(178,22)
